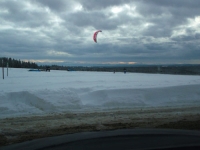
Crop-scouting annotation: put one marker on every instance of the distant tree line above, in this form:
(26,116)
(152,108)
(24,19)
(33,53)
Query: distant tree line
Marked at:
(13,63)
(161,69)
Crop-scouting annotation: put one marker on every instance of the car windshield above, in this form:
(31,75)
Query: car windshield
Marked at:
(73,66)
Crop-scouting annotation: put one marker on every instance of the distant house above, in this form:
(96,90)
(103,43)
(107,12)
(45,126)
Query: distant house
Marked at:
(124,70)
(48,69)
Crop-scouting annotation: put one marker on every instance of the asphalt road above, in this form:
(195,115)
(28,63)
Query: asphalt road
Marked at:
(116,139)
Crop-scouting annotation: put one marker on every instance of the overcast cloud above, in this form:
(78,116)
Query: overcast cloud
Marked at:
(134,31)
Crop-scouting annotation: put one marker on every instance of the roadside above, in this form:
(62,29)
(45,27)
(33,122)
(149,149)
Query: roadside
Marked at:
(15,130)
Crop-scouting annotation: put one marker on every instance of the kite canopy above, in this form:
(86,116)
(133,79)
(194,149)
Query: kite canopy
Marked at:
(95,35)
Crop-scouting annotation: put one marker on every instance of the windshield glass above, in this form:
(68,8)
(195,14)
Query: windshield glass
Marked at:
(70,66)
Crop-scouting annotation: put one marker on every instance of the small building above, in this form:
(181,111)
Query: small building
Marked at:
(47,69)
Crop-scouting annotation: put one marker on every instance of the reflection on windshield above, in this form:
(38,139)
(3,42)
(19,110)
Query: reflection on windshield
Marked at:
(57,79)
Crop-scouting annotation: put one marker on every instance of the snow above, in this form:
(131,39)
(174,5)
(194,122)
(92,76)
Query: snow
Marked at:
(25,93)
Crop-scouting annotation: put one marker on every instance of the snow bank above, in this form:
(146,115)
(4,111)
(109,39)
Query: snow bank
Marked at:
(39,93)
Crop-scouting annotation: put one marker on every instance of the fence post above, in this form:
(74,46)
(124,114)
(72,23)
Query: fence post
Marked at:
(2,69)
(7,69)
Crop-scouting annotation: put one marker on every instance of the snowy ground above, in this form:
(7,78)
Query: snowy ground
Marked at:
(25,93)
(56,99)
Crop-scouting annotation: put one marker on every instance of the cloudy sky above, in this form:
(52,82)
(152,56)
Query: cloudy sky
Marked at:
(133,31)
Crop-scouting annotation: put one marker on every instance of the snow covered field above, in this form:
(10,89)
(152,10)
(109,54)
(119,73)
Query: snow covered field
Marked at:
(42,104)
(25,93)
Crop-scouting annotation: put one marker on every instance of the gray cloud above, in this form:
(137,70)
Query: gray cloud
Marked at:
(98,5)
(148,31)
(57,6)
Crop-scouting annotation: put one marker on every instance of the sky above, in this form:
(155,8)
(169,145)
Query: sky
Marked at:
(133,31)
